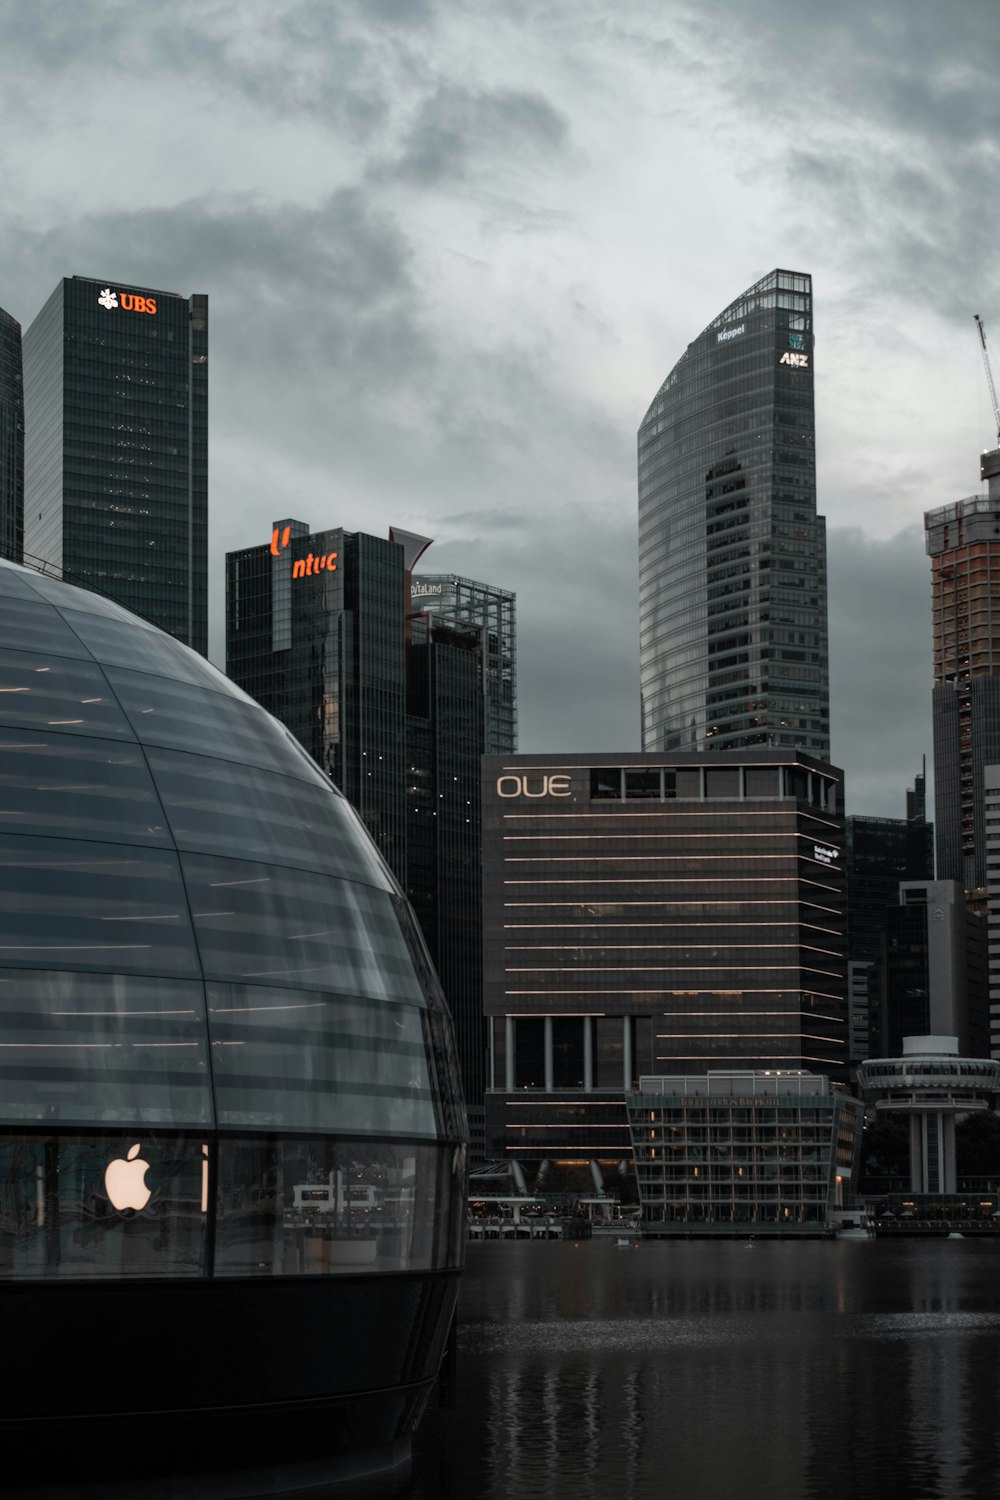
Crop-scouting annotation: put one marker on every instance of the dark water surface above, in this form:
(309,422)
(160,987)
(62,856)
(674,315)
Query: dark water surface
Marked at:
(855,1368)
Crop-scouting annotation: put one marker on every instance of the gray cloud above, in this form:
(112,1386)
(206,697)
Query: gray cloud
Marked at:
(880,665)
(496,232)
(456,125)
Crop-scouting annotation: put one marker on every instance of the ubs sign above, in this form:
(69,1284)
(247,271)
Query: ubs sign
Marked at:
(532,786)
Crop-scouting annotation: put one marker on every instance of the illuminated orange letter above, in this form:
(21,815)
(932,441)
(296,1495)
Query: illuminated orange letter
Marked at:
(298,569)
(151,304)
(127,301)
(331,563)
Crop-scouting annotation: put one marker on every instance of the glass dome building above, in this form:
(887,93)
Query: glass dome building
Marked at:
(232,1149)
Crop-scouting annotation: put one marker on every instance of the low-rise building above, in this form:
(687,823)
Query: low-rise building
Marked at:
(729,1150)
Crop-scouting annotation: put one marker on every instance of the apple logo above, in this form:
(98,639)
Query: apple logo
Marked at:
(125,1181)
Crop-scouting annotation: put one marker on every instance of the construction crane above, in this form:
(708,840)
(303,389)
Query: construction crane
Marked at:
(989,374)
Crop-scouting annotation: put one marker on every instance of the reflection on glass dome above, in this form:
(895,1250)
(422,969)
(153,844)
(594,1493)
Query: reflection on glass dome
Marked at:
(225,1056)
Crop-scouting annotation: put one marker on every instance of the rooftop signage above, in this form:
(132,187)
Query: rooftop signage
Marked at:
(424,590)
(825,854)
(800,361)
(303,567)
(730,333)
(129,301)
(520,786)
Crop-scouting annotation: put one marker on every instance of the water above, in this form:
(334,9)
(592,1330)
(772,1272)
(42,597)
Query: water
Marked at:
(698,1369)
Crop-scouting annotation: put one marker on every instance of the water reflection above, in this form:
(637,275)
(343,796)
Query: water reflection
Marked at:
(696,1369)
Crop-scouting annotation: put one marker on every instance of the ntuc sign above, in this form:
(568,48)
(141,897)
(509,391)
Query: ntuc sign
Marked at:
(303,567)
(129,301)
(532,786)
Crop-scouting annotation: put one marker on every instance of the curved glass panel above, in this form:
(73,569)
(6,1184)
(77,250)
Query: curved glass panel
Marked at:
(42,691)
(323,1207)
(181,716)
(264,923)
(14,582)
(68,596)
(118,643)
(68,904)
(57,1217)
(80,788)
(299,1060)
(88,1049)
(38,627)
(216,807)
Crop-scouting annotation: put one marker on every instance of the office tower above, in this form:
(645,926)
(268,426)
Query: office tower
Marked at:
(991,798)
(732,555)
(11,440)
(494,610)
(653,914)
(963,542)
(934,969)
(116,448)
(388,698)
(315,631)
(879,853)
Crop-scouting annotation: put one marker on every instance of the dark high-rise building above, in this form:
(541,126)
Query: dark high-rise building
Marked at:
(116,448)
(494,610)
(653,914)
(11,440)
(963,541)
(732,555)
(389,699)
(323,649)
(880,853)
(933,974)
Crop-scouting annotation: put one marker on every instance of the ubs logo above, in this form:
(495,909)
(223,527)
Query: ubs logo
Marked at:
(110,301)
(533,786)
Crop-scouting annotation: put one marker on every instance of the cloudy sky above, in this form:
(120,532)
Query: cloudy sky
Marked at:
(452,247)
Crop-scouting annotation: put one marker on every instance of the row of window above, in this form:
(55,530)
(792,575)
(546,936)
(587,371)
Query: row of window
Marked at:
(155,1206)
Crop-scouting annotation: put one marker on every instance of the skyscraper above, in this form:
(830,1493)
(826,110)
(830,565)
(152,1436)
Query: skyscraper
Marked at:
(11,440)
(116,448)
(880,854)
(653,914)
(326,630)
(963,541)
(732,555)
(494,610)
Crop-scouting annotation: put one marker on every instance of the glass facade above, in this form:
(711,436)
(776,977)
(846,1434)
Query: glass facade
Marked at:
(645,914)
(732,555)
(880,852)
(116,453)
(394,699)
(197,943)
(11,440)
(743,1149)
(494,611)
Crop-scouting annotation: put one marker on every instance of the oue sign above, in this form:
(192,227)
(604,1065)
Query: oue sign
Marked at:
(533,786)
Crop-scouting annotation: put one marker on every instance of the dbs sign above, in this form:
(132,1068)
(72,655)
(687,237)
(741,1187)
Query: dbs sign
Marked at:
(532,786)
